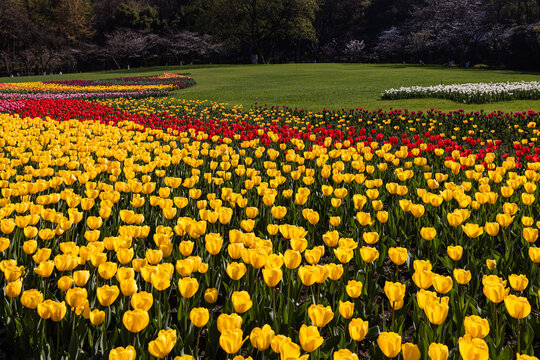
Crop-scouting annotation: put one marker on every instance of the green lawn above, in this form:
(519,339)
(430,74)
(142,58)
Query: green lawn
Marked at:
(318,86)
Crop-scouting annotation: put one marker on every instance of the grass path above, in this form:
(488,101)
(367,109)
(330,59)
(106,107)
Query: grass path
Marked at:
(318,86)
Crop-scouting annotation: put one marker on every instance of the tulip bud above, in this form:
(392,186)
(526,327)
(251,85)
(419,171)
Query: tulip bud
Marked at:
(346,309)
(389,343)
(199,316)
(358,329)
(310,339)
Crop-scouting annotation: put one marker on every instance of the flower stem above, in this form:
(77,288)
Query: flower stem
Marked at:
(518,338)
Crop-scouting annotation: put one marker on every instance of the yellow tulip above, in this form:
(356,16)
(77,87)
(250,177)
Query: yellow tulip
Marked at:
(424,297)
(395,292)
(4,243)
(518,282)
(41,255)
(335,221)
(236,270)
(107,270)
(454,252)
(251,212)
(107,294)
(472,230)
(120,353)
(76,297)
(97,317)
(278,212)
(438,351)
(31,298)
(358,329)
(346,309)
(81,277)
(462,276)
(292,259)
(272,276)
(225,215)
(491,264)
(525,357)
(344,354)
(310,274)
(476,326)
(320,315)
(370,237)
(354,288)
(428,233)
(153,256)
(241,301)
(335,271)
(53,310)
(142,301)
(186,247)
(517,307)
(442,284)
(436,312)
(210,295)
(213,243)
(492,228)
(382,216)
(188,287)
(530,234)
(423,278)
(231,340)
(504,219)
(344,255)
(311,216)
(389,343)
(289,350)
(128,287)
(13,272)
(163,344)
(261,338)
(473,348)
(410,351)
(228,322)
(135,320)
(398,255)
(494,288)
(13,288)
(534,254)
(310,339)
(94,222)
(30,232)
(363,218)
(369,254)
(7,226)
(30,247)
(331,238)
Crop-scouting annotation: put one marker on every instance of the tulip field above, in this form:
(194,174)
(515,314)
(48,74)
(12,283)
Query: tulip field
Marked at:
(143,227)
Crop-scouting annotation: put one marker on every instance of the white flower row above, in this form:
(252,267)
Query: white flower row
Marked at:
(470,92)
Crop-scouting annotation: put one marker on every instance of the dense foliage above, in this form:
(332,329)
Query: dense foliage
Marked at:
(39,36)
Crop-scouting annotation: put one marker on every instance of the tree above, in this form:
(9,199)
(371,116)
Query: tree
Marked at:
(125,45)
(133,14)
(439,29)
(354,48)
(186,44)
(260,27)
(74,20)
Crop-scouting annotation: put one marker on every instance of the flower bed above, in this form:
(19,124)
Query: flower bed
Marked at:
(472,93)
(133,87)
(163,227)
